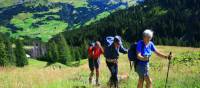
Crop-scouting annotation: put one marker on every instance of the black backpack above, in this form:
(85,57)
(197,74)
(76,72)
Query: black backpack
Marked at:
(132,53)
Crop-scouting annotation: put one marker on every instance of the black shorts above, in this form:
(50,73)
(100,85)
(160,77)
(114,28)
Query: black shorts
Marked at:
(93,63)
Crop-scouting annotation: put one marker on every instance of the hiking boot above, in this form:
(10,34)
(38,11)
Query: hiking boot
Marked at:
(116,85)
(97,83)
(111,84)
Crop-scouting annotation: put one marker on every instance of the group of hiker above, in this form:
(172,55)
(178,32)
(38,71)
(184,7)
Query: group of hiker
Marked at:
(139,55)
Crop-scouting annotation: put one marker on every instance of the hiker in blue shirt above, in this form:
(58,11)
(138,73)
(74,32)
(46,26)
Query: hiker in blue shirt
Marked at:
(144,49)
(112,54)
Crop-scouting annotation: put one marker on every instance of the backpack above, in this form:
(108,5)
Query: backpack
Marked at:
(110,39)
(91,49)
(132,53)
(108,43)
(96,52)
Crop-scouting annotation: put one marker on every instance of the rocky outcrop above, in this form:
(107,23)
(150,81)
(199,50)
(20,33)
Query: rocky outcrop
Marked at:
(38,50)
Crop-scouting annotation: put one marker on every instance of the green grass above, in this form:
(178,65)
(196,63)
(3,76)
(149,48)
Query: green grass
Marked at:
(4,29)
(5,3)
(37,75)
(76,3)
(44,31)
(98,17)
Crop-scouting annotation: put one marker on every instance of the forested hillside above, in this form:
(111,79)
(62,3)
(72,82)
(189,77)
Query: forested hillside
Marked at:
(175,22)
(43,19)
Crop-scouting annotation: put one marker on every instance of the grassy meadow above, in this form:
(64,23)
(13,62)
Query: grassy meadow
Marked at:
(38,75)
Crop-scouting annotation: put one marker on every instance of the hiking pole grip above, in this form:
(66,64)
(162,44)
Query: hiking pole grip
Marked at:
(170,53)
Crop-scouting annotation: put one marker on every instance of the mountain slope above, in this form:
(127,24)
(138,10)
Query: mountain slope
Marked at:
(44,18)
(174,23)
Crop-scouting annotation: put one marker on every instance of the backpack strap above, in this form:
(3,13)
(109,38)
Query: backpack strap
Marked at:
(143,45)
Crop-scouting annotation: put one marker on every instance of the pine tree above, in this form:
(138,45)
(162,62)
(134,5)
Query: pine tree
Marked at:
(10,51)
(84,50)
(3,55)
(52,52)
(21,59)
(77,55)
(49,56)
(65,55)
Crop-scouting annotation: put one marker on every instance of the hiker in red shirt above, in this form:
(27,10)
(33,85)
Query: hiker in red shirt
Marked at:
(94,53)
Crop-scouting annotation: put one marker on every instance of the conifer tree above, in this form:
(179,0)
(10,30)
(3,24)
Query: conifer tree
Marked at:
(64,50)
(52,52)
(3,55)
(10,51)
(21,59)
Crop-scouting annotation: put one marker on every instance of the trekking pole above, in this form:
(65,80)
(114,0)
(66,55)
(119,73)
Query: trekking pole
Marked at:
(168,70)
(131,65)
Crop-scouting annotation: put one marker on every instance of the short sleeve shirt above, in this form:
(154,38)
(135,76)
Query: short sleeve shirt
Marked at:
(146,50)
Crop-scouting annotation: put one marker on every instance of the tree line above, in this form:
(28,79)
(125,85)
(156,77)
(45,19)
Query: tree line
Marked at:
(58,50)
(12,52)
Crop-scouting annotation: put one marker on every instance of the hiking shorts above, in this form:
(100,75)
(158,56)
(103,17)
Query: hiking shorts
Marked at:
(142,70)
(93,63)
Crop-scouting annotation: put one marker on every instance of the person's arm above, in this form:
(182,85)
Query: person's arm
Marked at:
(123,50)
(99,44)
(161,54)
(154,49)
(139,49)
(102,49)
(89,55)
(140,57)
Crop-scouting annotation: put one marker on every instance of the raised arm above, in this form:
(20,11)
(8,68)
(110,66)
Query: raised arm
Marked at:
(100,46)
(123,50)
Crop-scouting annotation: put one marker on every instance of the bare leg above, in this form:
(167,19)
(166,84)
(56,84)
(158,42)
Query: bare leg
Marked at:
(140,83)
(91,76)
(97,76)
(148,82)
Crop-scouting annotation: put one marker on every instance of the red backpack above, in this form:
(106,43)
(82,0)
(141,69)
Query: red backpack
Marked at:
(97,52)
(94,52)
(90,52)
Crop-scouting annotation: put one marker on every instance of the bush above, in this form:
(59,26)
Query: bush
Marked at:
(187,58)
